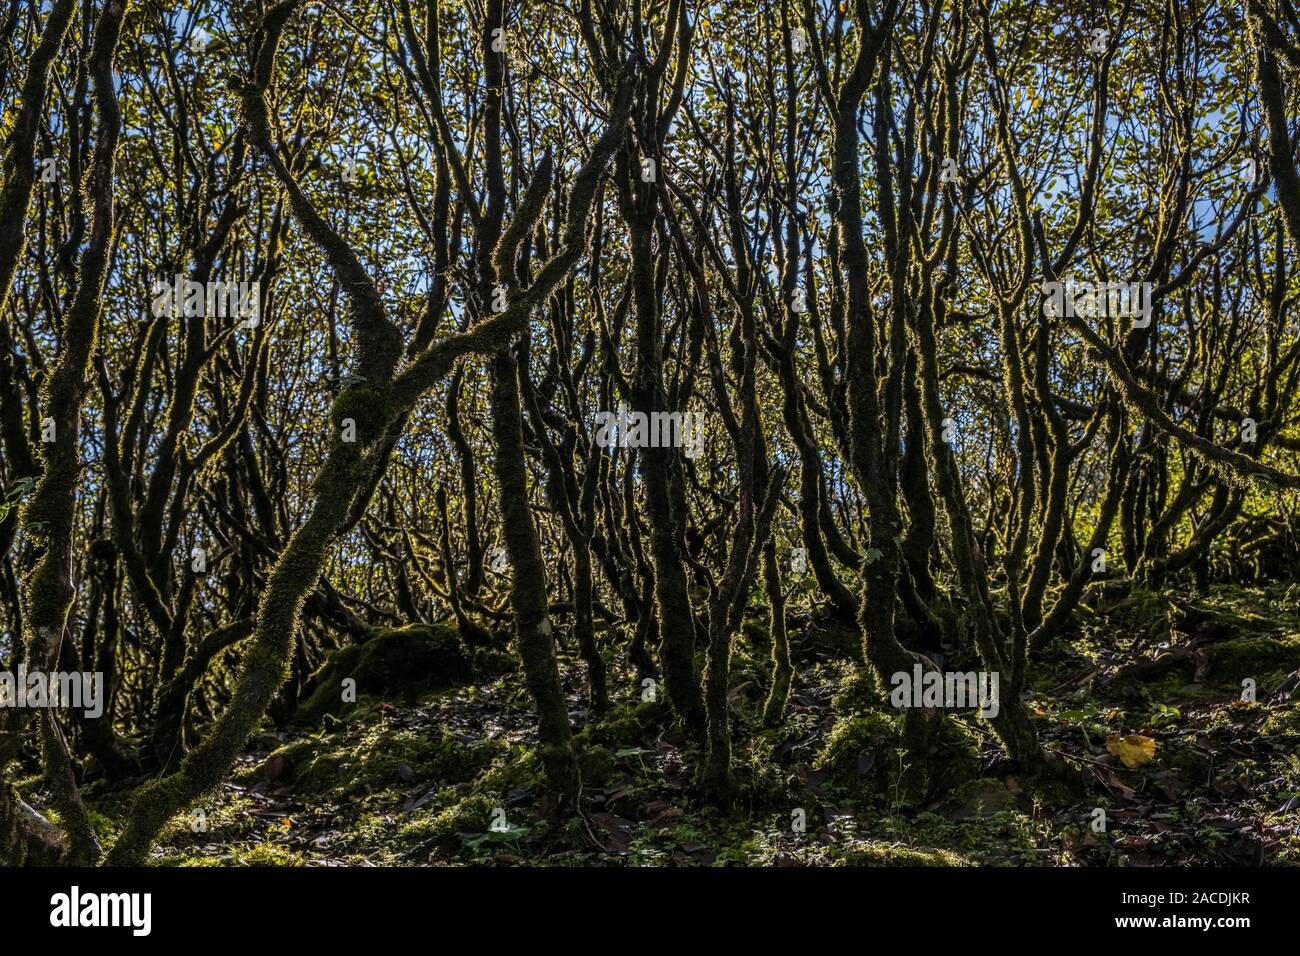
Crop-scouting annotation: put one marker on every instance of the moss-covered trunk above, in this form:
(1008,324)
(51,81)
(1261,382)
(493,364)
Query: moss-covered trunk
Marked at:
(664,499)
(49,518)
(779,693)
(528,584)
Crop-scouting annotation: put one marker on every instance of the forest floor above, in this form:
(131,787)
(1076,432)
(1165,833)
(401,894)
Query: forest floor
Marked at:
(421,781)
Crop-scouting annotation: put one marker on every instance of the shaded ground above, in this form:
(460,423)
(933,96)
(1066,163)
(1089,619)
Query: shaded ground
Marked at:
(420,782)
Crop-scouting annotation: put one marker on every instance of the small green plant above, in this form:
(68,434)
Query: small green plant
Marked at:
(896,781)
(1165,716)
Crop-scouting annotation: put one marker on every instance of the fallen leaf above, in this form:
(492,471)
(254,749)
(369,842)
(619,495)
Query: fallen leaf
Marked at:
(1134,750)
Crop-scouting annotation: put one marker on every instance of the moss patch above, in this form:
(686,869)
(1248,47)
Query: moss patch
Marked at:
(874,853)
(865,754)
(395,663)
(374,759)
(1267,660)
(1285,723)
(859,751)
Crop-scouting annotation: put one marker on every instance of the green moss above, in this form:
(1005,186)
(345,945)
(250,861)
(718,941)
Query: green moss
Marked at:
(597,766)
(859,750)
(375,758)
(470,815)
(494,663)
(105,827)
(1174,688)
(1180,753)
(857,691)
(625,724)
(520,769)
(1282,723)
(1267,660)
(366,405)
(889,854)
(1252,608)
(1139,612)
(402,663)
(865,754)
(651,713)
(261,854)
(326,772)
(444,759)
(292,757)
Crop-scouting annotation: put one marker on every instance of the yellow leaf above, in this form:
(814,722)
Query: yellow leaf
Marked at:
(1134,750)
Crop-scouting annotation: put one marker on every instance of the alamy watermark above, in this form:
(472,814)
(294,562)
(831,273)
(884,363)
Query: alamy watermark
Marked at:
(74,909)
(628,429)
(214,299)
(925,688)
(82,691)
(1090,300)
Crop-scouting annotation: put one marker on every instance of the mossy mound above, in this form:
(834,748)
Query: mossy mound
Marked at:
(376,759)
(597,766)
(1262,609)
(857,691)
(858,750)
(865,754)
(471,815)
(493,662)
(625,732)
(1142,609)
(403,663)
(1266,660)
(626,723)
(1181,753)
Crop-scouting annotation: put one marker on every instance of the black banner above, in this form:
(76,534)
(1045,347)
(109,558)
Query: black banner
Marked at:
(333,906)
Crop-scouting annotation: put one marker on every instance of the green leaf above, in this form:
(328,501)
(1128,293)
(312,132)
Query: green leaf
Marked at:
(631,752)
(497,836)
